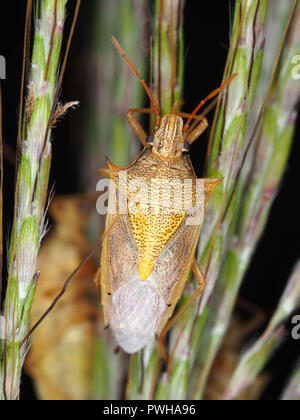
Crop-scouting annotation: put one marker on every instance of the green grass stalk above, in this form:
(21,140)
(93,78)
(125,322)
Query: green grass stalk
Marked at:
(32,187)
(261,172)
(257,355)
(292,389)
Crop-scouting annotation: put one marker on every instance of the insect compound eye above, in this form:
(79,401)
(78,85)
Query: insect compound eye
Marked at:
(150,139)
(186,147)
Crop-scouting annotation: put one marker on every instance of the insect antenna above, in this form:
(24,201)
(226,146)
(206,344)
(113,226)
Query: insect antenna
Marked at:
(151,76)
(208,97)
(121,51)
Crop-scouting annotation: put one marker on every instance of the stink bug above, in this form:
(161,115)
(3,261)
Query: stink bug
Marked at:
(150,249)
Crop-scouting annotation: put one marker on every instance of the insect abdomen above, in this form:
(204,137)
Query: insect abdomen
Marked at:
(135,310)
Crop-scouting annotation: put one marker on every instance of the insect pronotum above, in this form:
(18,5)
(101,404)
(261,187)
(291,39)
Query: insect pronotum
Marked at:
(148,253)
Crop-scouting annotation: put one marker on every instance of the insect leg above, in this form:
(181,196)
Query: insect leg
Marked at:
(258,316)
(200,277)
(104,172)
(190,138)
(187,115)
(196,132)
(137,128)
(176,106)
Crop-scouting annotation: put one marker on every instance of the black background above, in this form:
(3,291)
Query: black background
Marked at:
(207,39)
